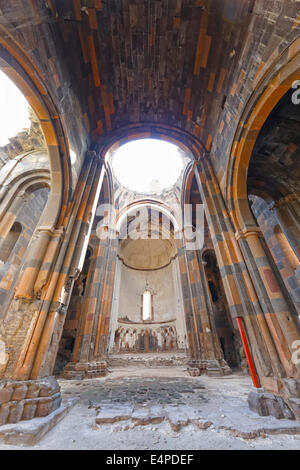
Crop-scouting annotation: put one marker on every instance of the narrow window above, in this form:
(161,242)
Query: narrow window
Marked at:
(147,305)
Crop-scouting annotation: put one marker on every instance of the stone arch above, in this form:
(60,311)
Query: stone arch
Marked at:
(275,83)
(186,141)
(18,66)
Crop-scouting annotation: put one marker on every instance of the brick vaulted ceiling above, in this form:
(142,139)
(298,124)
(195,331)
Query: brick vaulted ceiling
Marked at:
(167,61)
(143,60)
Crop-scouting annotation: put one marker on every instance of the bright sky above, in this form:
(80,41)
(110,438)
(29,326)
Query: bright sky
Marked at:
(147,165)
(14,110)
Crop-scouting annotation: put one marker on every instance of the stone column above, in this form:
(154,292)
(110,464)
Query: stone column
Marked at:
(180,322)
(115,306)
(204,345)
(288,214)
(283,323)
(31,329)
(90,350)
(244,297)
(72,264)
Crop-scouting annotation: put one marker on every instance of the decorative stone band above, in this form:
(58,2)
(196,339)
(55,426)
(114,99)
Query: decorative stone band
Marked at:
(29,399)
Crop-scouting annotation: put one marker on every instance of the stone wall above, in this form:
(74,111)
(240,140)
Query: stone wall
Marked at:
(28,217)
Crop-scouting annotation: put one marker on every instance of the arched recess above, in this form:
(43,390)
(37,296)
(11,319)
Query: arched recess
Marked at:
(93,328)
(19,218)
(279,324)
(18,66)
(147,269)
(272,87)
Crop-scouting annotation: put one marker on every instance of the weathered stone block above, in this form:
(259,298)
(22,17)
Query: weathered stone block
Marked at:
(46,405)
(266,404)
(29,410)
(15,412)
(48,387)
(79,366)
(295,406)
(33,390)
(6,392)
(177,419)
(278,408)
(112,414)
(20,391)
(257,403)
(4,412)
(73,375)
(194,372)
(292,387)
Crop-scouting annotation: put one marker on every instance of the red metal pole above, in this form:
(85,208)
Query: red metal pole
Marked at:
(254,377)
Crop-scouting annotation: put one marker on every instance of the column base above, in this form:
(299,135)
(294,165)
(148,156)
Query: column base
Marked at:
(267,404)
(24,400)
(210,367)
(85,370)
(291,394)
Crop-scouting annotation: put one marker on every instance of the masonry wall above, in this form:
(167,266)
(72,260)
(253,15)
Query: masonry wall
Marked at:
(28,217)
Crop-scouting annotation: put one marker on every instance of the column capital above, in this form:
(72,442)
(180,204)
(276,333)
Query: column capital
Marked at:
(51,231)
(248,232)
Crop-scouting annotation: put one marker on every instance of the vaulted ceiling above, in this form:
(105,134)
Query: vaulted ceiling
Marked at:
(167,61)
(187,63)
(274,165)
(139,60)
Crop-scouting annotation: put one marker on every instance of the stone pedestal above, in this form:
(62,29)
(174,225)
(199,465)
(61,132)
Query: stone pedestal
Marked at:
(212,368)
(85,370)
(23,400)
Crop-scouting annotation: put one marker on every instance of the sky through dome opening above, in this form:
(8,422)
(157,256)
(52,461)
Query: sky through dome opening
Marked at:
(14,110)
(147,165)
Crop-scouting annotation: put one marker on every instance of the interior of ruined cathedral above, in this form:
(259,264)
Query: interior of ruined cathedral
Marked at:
(149,220)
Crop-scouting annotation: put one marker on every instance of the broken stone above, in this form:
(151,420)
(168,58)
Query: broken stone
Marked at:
(202,424)
(113,414)
(177,419)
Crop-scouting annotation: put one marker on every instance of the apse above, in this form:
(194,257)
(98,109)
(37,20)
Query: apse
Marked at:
(147,311)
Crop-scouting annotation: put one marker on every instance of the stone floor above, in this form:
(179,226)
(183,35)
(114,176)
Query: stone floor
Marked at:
(161,409)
